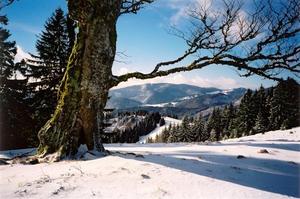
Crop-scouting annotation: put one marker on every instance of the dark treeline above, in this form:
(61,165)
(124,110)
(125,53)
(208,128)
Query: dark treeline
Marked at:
(29,88)
(259,111)
(133,125)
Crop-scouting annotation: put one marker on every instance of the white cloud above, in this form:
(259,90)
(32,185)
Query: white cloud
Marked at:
(181,8)
(21,54)
(178,16)
(25,27)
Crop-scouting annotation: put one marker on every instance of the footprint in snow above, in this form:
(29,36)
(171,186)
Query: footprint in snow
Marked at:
(292,162)
(125,169)
(114,172)
(22,192)
(58,190)
(263,151)
(240,157)
(162,192)
(237,169)
(63,189)
(145,176)
(139,156)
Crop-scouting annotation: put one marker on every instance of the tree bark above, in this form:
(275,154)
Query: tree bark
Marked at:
(78,118)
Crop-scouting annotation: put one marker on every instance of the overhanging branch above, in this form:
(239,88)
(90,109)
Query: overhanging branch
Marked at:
(4,3)
(262,43)
(133,6)
(197,64)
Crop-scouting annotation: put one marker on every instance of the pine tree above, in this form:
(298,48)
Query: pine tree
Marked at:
(284,108)
(165,135)
(198,129)
(15,120)
(150,140)
(214,122)
(246,114)
(213,135)
(228,115)
(269,97)
(47,68)
(261,121)
(162,122)
(185,133)
(8,51)
(175,131)
(157,139)
(170,131)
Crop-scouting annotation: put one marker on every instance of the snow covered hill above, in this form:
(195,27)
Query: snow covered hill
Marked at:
(157,131)
(179,99)
(261,166)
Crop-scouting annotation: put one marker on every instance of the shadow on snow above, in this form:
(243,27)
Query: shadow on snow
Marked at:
(269,175)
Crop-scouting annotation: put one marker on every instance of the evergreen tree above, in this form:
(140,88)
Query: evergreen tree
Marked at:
(174,133)
(150,140)
(15,120)
(213,135)
(233,132)
(261,121)
(47,68)
(165,135)
(8,51)
(158,139)
(199,129)
(269,97)
(162,122)
(184,133)
(214,122)
(228,115)
(284,108)
(246,114)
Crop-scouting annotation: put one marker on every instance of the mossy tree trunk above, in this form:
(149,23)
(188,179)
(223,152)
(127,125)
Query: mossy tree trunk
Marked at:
(88,78)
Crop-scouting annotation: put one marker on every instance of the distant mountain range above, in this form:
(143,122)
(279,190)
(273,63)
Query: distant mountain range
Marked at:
(171,98)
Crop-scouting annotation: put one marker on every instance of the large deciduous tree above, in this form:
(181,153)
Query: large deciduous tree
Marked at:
(263,40)
(78,118)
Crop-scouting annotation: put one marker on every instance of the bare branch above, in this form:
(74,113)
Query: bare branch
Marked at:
(132,6)
(4,3)
(264,40)
(197,64)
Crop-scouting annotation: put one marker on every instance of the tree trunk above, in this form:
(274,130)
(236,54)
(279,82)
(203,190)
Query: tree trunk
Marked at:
(78,118)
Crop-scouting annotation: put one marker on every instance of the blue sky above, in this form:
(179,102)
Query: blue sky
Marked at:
(143,37)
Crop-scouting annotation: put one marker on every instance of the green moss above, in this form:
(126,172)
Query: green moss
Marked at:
(53,135)
(61,133)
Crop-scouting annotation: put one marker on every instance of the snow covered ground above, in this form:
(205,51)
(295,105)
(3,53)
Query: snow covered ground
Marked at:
(159,129)
(260,166)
